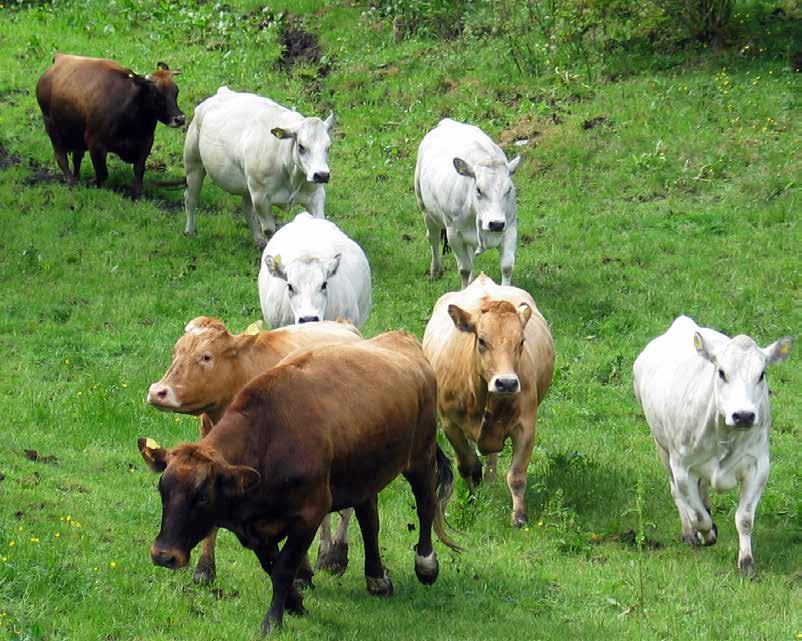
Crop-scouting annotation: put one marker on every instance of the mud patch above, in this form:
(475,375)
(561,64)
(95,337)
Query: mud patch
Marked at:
(7,159)
(592,123)
(630,538)
(529,130)
(298,45)
(33,455)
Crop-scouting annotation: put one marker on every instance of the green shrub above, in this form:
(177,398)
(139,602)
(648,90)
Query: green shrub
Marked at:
(438,18)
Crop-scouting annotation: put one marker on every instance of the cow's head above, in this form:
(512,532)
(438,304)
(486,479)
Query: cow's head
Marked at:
(492,193)
(310,146)
(203,376)
(161,95)
(740,387)
(498,331)
(195,487)
(307,284)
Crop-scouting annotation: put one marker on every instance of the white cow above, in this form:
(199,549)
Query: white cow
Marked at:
(257,149)
(706,400)
(463,184)
(312,271)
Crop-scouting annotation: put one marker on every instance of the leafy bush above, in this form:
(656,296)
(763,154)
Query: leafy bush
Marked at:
(705,20)
(440,18)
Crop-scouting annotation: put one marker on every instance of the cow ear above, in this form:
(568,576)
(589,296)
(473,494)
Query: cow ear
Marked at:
(239,479)
(512,166)
(463,169)
(332,265)
(163,66)
(779,350)
(154,455)
(524,312)
(462,319)
(274,266)
(330,121)
(702,348)
(282,133)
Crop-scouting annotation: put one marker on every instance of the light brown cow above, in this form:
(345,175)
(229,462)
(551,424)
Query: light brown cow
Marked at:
(493,355)
(210,366)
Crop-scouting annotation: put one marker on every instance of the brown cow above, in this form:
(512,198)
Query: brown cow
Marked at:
(99,105)
(493,355)
(210,366)
(360,414)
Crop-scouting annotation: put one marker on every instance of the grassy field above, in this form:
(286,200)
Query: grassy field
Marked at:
(673,189)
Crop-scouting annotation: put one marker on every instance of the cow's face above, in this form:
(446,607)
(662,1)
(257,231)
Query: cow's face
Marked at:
(311,141)
(492,193)
(162,95)
(307,284)
(498,330)
(195,487)
(202,376)
(740,386)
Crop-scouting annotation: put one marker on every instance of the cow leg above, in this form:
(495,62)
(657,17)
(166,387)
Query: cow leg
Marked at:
(464,256)
(523,442)
(206,569)
(262,210)
(98,156)
(751,490)
(249,210)
(267,556)
(282,574)
(195,173)
(61,159)
(697,526)
(378,582)
(333,554)
(139,176)
(507,251)
(433,233)
(423,480)
(468,463)
(77,157)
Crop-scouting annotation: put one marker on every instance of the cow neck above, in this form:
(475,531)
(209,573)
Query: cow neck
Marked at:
(236,440)
(296,180)
(255,360)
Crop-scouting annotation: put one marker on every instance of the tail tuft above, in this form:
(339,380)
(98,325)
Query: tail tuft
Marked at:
(445,486)
(444,238)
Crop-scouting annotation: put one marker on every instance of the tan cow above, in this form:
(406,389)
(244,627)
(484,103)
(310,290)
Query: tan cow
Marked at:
(210,366)
(493,355)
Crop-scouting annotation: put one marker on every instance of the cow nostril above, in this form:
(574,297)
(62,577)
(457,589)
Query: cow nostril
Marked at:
(496,226)
(162,393)
(309,319)
(743,418)
(321,177)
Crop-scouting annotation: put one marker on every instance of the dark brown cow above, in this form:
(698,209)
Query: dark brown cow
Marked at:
(98,105)
(210,366)
(321,431)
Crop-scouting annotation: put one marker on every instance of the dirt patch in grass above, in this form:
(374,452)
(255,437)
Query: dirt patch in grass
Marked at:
(298,44)
(592,123)
(630,538)
(33,455)
(7,159)
(529,130)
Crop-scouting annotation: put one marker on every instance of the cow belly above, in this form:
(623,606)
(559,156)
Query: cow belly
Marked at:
(224,171)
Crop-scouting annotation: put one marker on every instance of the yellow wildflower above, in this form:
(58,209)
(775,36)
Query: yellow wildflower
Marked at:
(34,539)
(113,564)
(11,544)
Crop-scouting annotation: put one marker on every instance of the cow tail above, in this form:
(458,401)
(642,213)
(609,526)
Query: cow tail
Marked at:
(445,486)
(444,238)
(175,184)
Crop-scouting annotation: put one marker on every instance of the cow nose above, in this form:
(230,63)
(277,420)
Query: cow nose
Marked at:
(507,385)
(309,319)
(321,176)
(496,225)
(179,121)
(164,558)
(743,419)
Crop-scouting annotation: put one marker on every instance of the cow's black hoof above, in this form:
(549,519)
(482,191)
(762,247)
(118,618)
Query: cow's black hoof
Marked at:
(693,539)
(302,583)
(204,574)
(747,567)
(427,568)
(379,586)
(711,537)
(519,519)
(295,605)
(334,560)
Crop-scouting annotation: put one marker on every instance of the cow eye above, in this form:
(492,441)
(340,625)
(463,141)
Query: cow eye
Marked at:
(722,375)
(762,376)
(203,499)
(482,344)
(301,149)
(206,357)
(290,289)
(479,192)
(323,286)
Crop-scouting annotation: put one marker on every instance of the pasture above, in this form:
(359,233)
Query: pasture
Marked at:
(672,187)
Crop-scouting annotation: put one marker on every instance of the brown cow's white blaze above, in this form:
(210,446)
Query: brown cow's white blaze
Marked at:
(493,355)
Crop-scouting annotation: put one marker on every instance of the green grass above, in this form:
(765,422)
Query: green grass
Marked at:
(686,199)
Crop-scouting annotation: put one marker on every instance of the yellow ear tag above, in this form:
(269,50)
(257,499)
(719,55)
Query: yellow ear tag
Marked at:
(697,341)
(785,348)
(254,328)
(151,444)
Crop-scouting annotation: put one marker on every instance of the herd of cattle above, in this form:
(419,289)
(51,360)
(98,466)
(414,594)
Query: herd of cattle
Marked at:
(272,463)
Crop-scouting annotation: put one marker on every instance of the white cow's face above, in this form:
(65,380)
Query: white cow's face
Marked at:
(492,192)
(310,149)
(307,284)
(740,387)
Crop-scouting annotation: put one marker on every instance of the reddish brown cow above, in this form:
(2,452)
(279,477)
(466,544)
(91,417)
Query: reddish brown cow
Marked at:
(98,105)
(210,366)
(361,414)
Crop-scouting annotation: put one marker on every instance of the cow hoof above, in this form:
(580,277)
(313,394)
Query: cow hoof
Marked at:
(204,574)
(519,519)
(427,568)
(380,586)
(711,537)
(302,583)
(261,244)
(694,539)
(747,567)
(295,605)
(435,275)
(190,234)
(333,560)
(269,624)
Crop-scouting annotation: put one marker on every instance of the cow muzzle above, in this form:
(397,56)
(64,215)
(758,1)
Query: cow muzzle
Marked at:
(504,384)
(321,177)
(743,419)
(177,121)
(162,396)
(171,558)
(496,226)
(308,319)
